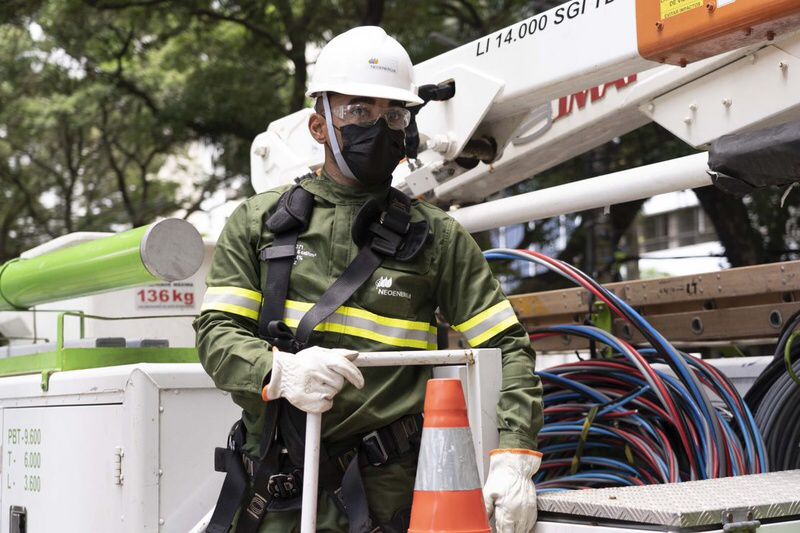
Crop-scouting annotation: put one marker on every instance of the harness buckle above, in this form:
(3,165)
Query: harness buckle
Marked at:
(281,336)
(284,486)
(374,449)
(257,506)
(398,224)
(410,426)
(344,459)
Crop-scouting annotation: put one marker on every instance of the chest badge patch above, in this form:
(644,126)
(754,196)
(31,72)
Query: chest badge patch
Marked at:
(383,286)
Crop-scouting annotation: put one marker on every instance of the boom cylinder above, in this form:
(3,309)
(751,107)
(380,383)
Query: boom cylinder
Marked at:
(168,250)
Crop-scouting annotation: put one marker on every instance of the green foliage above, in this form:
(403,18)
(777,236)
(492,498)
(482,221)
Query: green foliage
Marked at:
(96,95)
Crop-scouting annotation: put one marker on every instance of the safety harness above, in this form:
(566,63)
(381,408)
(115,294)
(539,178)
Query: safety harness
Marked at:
(273,480)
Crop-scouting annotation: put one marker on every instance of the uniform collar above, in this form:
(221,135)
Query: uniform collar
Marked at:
(324,187)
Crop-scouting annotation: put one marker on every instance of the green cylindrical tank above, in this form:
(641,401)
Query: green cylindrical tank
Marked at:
(167,250)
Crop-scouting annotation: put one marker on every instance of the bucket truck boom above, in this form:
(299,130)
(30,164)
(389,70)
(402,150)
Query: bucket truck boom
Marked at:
(518,90)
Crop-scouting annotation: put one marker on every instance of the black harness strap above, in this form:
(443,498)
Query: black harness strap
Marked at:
(289,220)
(392,235)
(229,460)
(356,273)
(387,237)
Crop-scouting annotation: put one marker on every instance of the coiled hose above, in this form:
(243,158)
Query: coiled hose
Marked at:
(640,416)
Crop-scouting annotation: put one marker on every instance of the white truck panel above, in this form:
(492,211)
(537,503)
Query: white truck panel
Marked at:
(58,463)
(161,422)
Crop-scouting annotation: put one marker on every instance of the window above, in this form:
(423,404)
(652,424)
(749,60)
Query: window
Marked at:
(673,229)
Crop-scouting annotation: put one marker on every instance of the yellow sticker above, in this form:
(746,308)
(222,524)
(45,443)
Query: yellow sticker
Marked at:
(671,8)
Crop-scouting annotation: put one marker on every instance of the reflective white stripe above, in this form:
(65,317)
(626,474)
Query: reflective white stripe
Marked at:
(387,334)
(488,323)
(447,461)
(234,300)
(346,320)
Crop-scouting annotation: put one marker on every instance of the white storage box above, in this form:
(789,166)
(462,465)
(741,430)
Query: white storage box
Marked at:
(115,449)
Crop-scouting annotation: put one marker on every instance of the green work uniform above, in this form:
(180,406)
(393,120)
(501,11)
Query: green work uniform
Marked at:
(394,310)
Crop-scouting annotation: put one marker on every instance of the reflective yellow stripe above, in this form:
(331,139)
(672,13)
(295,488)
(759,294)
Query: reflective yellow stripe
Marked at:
(488,323)
(384,320)
(230,308)
(366,334)
(366,315)
(489,333)
(482,316)
(299,306)
(238,291)
(246,303)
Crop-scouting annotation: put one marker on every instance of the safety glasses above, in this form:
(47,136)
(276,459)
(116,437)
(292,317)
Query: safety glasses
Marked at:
(365,115)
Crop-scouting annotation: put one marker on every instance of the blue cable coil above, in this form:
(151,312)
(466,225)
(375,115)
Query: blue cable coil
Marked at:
(653,420)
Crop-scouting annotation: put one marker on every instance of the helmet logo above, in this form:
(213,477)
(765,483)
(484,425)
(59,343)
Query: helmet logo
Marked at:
(384,282)
(389,65)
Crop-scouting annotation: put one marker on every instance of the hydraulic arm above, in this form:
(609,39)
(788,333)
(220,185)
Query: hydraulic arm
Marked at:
(167,250)
(501,78)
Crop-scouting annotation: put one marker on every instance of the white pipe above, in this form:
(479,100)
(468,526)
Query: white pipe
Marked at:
(434,357)
(616,188)
(308,519)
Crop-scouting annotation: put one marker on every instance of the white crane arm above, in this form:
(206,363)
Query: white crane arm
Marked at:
(502,80)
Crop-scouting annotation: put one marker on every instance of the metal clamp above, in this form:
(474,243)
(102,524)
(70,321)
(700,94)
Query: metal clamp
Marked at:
(739,521)
(374,449)
(284,486)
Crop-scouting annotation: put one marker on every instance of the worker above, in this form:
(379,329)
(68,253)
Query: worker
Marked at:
(353,266)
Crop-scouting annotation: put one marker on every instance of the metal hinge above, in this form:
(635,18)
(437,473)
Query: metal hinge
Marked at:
(739,521)
(119,477)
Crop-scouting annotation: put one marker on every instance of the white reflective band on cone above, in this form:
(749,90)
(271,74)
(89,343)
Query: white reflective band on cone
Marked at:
(447,461)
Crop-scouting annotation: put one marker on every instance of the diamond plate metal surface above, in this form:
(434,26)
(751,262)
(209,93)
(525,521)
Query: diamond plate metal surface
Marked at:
(688,504)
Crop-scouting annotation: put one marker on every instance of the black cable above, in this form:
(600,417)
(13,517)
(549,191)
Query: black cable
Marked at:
(774,399)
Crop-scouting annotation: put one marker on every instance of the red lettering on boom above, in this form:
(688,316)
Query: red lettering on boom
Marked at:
(567,104)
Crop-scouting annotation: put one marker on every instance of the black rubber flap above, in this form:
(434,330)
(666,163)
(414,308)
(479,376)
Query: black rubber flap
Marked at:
(741,163)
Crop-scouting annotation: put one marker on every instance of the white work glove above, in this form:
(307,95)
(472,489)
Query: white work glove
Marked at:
(509,494)
(311,378)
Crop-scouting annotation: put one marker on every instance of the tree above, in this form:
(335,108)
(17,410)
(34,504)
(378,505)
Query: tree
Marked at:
(77,154)
(97,94)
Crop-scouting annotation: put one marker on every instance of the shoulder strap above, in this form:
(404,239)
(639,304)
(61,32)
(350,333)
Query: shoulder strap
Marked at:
(386,236)
(289,220)
(387,230)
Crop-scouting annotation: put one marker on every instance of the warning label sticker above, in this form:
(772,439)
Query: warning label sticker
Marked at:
(671,8)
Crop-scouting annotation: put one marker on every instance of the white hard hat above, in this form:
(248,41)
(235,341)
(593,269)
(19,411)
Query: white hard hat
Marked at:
(365,61)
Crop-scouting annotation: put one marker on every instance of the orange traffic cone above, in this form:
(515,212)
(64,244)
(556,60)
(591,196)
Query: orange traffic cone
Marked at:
(447,491)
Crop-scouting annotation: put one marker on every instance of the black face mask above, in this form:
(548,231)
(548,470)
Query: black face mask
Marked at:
(372,153)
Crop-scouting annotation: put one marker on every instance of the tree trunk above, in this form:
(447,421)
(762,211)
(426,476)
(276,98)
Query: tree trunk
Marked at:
(373,13)
(298,98)
(743,245)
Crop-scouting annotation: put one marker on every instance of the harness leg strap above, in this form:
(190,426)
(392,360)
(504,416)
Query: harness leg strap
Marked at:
(235,485)
(354,498)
